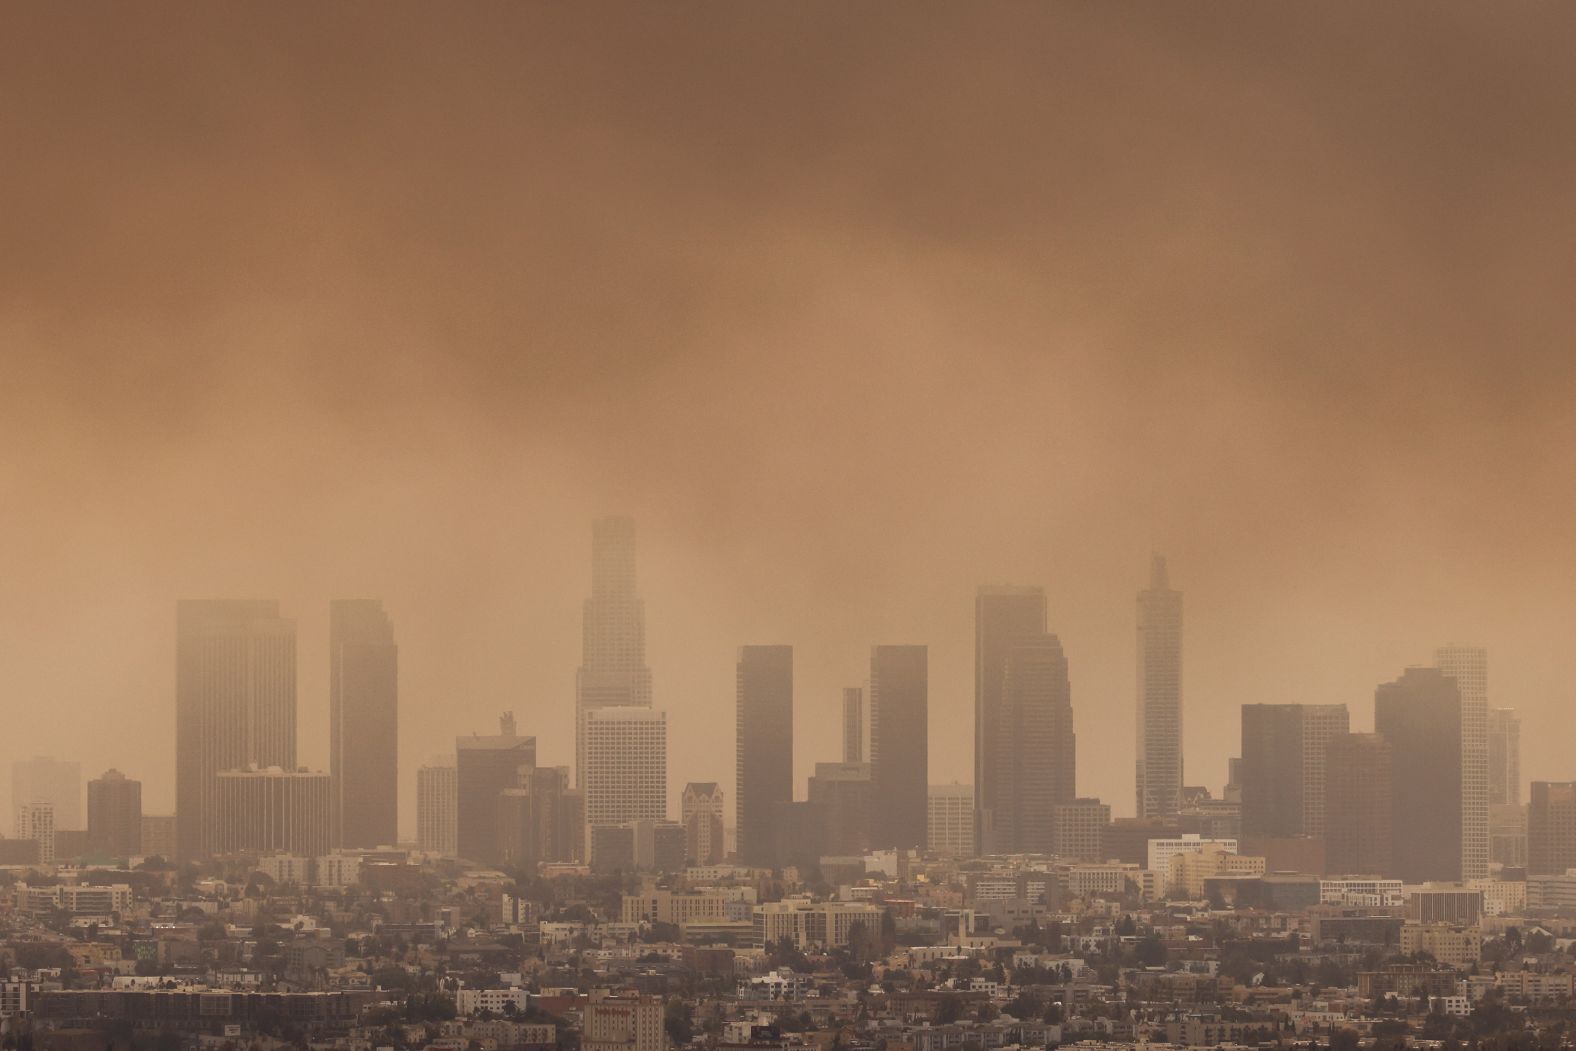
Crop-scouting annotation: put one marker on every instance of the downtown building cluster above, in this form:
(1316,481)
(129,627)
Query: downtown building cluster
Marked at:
(1342,887)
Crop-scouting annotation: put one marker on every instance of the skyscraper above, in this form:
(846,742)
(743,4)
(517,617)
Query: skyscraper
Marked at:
(267,811)
(115,815)
(1504,757)
(613,672)
(1159,775)
(1037,750)
(235,703)
(35,820)
(485,765)
(626,768)
(763,679)
(842,794)
(1358,805)
(1420,716)
(702,813)
(437,807)
(950,820)
(853,724)
(1551,828)
(1080,827)
(1002,615)
(1468,665)
(158,835)
(899,745)
(542,820)
(363,724)
(57,782)
(1283,766)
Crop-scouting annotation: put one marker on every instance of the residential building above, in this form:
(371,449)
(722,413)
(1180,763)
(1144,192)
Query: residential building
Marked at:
(58,782)
(814,924)
(625,1022)
(36,821)
(437,807)
(1161,851)
(115,815)
(950,820)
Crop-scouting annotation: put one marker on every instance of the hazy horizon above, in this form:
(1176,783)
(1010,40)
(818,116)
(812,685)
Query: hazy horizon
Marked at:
(852,309)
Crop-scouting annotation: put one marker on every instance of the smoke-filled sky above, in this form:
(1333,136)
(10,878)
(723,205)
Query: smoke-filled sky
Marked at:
(853,307)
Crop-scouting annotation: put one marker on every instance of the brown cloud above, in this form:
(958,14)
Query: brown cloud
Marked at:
(853,306)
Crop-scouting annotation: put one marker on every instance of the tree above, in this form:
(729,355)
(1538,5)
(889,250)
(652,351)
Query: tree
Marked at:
(1150,952)
(678,1018)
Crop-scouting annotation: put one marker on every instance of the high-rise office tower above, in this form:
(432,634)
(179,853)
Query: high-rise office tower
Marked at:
(363,723)
(1420,716)
(613,672)
(1283,766)
(1507,835)
(158,835)
(1551,828)
(1037,752)
(1468,665)
(1358,805)
(949,820)
(843,793)
(1003,614)
(542,820)
(235,703)
(485,765)
(899,745)
(115,815)
(763,683)
(437,807)
(57,782)
(1079,829)
(1504,757)
(35,820)
(268,811)
(702,813)
(853,724)
(1159,767)
(626,767)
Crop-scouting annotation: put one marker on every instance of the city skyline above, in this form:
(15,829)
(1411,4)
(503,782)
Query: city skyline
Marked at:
(677,777)
(845,350)
(787,526)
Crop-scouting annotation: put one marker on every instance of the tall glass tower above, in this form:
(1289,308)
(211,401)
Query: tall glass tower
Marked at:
(1159,770)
